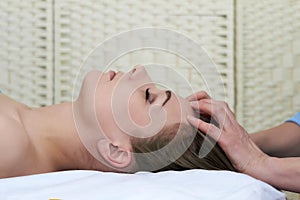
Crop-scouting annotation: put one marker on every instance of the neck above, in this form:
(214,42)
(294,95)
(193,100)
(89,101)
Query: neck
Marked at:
(53,133)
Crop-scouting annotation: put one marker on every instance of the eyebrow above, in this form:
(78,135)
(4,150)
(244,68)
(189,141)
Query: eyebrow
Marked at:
(169,94)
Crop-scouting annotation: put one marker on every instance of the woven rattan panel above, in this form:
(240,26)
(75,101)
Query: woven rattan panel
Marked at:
(26,51)
(268,67)
(81,25)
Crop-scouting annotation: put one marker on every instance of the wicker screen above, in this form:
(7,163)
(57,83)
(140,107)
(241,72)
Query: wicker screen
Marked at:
(268,65)
(81,25)
(43,43)
(26,53)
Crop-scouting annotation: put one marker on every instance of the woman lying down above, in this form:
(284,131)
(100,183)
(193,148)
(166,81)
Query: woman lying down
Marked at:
(121,122)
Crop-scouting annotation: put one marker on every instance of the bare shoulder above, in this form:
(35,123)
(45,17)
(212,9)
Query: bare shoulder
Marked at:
(14,141)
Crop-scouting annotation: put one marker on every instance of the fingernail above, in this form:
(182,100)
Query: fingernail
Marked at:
(194,103)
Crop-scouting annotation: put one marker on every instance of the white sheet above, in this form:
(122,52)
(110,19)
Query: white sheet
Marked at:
(90,185)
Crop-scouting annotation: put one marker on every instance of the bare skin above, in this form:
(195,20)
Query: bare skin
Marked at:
(279,141)
(29,148)
(55,138)
(245,155)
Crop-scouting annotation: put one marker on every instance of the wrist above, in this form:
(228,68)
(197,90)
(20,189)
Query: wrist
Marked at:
(265,169)
(258,165)
(282,173)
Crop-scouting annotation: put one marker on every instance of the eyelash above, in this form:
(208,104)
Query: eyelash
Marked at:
(148,96)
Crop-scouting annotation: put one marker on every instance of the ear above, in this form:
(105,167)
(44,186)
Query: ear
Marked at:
(116,156)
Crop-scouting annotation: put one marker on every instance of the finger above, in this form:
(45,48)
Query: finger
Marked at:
(198,95)
(206,128)
(216,109)
(202,106)
(223,114)
(196,104)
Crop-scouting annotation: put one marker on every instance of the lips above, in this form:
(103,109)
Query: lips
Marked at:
(112,75)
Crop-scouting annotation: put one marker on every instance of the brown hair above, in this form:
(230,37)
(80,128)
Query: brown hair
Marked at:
(178,147)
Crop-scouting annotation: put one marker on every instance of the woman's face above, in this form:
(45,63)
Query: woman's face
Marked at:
(131,104)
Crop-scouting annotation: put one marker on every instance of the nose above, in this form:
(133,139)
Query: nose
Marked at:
(139,71)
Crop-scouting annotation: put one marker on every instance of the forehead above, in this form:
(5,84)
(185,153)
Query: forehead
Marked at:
(186,107)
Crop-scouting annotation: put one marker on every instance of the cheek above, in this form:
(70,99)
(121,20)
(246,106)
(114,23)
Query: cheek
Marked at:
(174,113)
(103,109)
(138,111)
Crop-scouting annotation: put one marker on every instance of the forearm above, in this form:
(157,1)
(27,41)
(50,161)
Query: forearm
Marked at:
(280,141)
(282,173)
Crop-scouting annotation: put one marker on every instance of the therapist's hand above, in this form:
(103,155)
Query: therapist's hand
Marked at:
(230,135)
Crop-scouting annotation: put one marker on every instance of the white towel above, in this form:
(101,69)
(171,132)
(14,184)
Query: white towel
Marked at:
(90,185)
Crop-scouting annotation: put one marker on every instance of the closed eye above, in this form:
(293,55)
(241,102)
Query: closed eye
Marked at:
(149,97)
